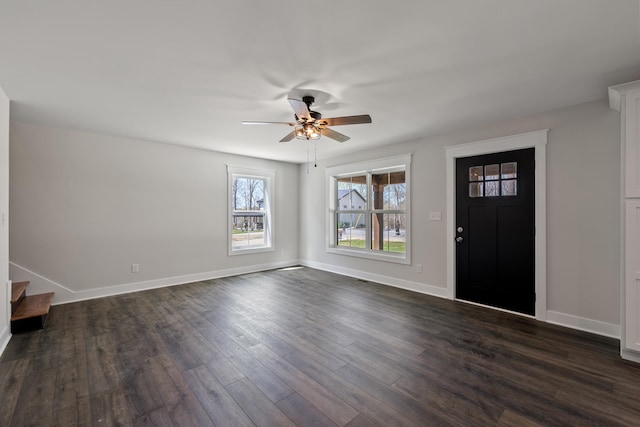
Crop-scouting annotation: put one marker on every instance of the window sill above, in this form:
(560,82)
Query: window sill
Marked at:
(377,256)
(248,251)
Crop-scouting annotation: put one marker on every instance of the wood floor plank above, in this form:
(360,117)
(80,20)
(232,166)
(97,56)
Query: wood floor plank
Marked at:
(179,400)
(327,402)
(35,403)
(412,409)
(216,401)
(303,413)
(110,409)
(262,411)
(351,394)
(13,374)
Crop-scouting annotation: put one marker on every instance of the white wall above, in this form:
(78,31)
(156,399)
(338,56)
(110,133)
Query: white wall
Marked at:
(5,309)
(583,214)
(87,206)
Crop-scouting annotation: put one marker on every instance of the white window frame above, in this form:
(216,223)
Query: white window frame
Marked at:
(269,177)
(367,168)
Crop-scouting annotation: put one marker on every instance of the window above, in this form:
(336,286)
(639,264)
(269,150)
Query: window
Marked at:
(369,209)
(250,210)
(494,180)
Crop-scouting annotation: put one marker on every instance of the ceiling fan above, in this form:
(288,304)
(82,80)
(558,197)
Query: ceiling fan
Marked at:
(310,124)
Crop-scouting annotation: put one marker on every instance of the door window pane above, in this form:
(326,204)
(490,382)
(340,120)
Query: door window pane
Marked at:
(509,170)
(476,173)
(510,187)
(491,172)
(475,189)
(492,188)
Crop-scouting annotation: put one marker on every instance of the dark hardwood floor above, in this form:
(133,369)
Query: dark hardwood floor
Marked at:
(305,347)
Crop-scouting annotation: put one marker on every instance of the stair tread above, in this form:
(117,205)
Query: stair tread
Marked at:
(17,289)
(33,306)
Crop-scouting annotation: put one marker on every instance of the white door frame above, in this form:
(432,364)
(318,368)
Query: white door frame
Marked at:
(537,140)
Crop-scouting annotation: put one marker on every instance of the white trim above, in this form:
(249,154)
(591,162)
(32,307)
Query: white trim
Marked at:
(630,355)
(367,167)
(584,324)
(269,177)
(616,93)
(422,288)
(537,140)
(5,335)
(63,295)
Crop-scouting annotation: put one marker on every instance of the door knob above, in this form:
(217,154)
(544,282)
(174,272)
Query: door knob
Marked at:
(458,239)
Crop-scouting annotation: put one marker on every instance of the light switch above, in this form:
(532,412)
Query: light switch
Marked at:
(435,216)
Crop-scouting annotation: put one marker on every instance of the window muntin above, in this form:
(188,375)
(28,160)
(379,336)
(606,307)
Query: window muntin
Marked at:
(494,180)
(250,211)
(369,211)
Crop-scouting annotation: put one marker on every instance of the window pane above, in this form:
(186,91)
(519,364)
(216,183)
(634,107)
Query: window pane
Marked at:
(509,170)
(248,194)
(350,230)
(476,173)
(492,188)
(476,189)
(352,193)
(388,232)
(397,191)
(491,172)
(247,230)
(380,190)
(389,190)
(510,187)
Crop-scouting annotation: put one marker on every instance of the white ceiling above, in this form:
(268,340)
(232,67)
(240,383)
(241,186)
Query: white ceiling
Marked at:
(188,72)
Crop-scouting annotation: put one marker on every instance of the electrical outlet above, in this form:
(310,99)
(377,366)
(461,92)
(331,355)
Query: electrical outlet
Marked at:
(135,268)
(419,268)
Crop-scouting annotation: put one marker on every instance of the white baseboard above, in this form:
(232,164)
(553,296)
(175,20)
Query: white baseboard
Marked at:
(584,324)
(40,284)
(5,336)
(630,355)
(378,278)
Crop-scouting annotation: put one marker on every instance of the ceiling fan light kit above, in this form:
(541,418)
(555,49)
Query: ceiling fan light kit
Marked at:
(310,125)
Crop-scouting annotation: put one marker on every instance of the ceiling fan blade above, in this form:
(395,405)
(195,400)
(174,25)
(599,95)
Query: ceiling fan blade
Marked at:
(300,108)
(348,120)
(330,133)
(289,137)
(248,122)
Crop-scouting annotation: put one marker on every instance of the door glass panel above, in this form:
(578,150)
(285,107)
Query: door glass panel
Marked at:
(510,187)
(491,172)
(492,188)
(475,189)
(509,170)
(475,173)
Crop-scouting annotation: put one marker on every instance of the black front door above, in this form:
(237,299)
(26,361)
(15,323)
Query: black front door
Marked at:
(495,230)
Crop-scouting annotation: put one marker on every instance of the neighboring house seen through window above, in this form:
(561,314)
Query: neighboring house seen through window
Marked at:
(250,210)
(369,209)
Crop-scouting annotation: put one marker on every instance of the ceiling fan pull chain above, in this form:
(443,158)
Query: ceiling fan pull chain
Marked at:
(315,153)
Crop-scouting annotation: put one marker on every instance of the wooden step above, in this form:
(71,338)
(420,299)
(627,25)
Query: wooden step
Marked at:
(33,306)
(31,313)
(18,290)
